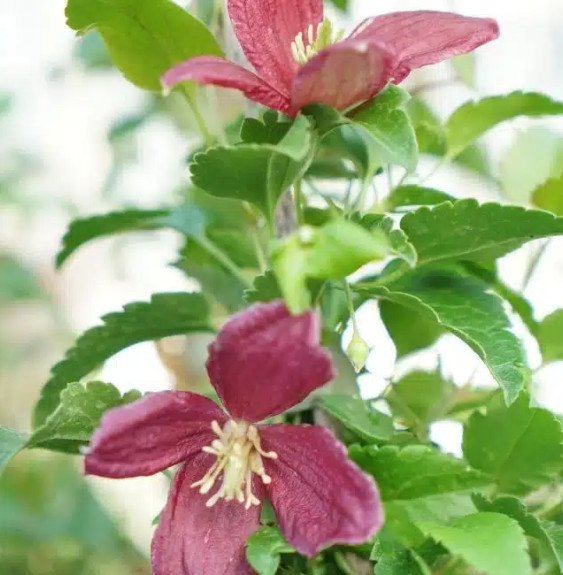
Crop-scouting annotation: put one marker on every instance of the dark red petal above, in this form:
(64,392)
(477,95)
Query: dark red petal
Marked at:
(319,495)
(152,434)
(343,74)
(426,37)
(192,539)
(221,72)
(265,360)
(266,29)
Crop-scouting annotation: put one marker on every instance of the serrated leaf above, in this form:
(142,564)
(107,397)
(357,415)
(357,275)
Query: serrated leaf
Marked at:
(357,416)
(256,173)
(418,483)
(549,196)
(410,331)
(416,471)
(473,119)
(388,124)
(550,336)
(419,398)
(397,242)
(411,195)
(464,306)
(84,230)
(11,442)
(263,550)
(492,543)
(520,446)
(165,315)
(466,230)
(78,415)
(535,155)
(144,37)
(550,534)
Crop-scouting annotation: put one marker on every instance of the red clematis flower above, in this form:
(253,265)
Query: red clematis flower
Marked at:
(300,60)
(262,362)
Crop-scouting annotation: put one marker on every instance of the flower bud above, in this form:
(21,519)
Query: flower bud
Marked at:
(357,352)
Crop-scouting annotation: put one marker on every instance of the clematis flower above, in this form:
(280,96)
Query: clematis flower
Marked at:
(263,362)
(299,59)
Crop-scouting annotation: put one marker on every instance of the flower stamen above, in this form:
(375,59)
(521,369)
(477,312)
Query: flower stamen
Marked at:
(239,456)
(317,40)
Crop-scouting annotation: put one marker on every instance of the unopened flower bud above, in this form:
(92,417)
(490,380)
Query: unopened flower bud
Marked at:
(357,352)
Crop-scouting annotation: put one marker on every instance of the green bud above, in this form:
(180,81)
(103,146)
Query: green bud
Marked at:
(357,352)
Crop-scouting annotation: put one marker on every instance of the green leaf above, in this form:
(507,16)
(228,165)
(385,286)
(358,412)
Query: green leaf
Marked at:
(357,416)
(550,534)
(165,315)
(464,306)
(549,336)
(84,230)
(11,442)
(419,398)
(416,471)
(554,532)
(265,289)
(520,446)
(466,230)
(396,241)
(332,251)
(534,156)
(492,543)
(144,37)
(263,550)
(418,483)
(549,196)
(386,121)
(473,119)
(256,173)
(410,331)
(411,195)
(78,415)
(393,558)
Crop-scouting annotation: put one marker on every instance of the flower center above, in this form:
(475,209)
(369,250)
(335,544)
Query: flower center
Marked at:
(318,40)
(239,456)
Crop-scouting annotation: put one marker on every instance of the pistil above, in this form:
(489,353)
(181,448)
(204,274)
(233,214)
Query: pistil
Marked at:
(239,456)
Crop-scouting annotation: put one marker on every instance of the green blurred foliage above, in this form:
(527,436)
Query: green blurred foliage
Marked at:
(51,523)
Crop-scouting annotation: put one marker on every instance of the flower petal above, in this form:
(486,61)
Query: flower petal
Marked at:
(221,72)
(343,74)
(426,37)
(265,360)
(266,29)
(320,497)
(152,434)
(192,539)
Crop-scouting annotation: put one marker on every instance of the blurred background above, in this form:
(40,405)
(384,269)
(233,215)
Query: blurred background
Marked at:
(76,139)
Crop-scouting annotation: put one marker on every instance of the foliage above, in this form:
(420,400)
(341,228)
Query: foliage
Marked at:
(308,209)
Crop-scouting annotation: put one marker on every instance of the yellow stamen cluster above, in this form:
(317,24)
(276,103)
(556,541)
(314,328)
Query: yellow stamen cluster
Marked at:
(317,40)
(239,456)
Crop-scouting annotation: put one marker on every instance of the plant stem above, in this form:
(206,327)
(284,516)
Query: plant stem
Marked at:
(350,303)
(198,117)
(223,259)
(298,199)
(533,265)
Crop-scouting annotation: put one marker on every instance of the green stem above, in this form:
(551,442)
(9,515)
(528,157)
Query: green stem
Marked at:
(198,117)
(298,199)
(533,265)
(259,248)
(223,259)
(350,303)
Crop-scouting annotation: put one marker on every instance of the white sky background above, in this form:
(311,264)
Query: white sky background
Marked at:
(62,115)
